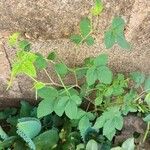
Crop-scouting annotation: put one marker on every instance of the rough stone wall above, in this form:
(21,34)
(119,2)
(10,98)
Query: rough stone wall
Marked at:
(49,23)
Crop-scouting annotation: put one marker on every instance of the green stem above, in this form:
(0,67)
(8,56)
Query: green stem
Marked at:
(63,84)
(32,78)
(146,133)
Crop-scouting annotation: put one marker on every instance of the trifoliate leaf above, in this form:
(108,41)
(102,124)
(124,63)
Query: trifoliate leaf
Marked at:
(85,27)
(110,120)
(76,39)
(89,40)
(61,69)
(97,9)
(40,62)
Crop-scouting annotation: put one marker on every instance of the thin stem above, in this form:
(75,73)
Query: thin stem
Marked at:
(141,94)
(32,78)
(51,80)
(48,76)
(63,84)
(146,133)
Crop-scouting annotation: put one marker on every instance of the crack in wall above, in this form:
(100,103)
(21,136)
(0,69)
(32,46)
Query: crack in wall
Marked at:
(10,65)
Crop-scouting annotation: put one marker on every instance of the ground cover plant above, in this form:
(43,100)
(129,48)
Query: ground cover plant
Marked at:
(89,114)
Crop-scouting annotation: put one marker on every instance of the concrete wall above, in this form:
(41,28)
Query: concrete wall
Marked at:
(49,23)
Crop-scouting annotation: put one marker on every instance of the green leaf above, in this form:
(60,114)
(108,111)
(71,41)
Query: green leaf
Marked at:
(60,105)
(61,69)
(147,118)
(101,60)
(7,143)
(138,78)
(25,109)
(89,40)
(83,125)
(71,109)
(97,9)
(52,56)
(27,129)
(13,39)
(128,144)
(92,145)
(99,122)
(147,99)
(91,76)
(76,99)
(81,73)
(48,93)
(46,140)
(3,135)
(24,64)
(117,148)
(104,75)
(45,108)
(40,62)
(116,34)
(98,101)
(122,42)
(110,120)
(80,147)
(76,39)
(24,45)
(147,85)
(118,24)
(109,39)
(118,122)
(39,85)
(109,129)
(85,27)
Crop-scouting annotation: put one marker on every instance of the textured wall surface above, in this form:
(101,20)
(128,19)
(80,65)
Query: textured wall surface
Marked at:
(49,23)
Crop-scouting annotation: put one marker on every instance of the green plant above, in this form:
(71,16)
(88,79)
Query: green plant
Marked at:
(85,115)
(115,33)
(95,107)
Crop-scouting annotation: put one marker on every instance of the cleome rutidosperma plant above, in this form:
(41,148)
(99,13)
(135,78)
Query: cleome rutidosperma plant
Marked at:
(84,115)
